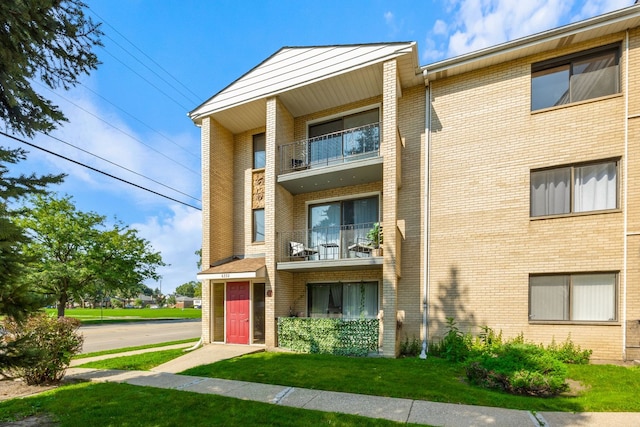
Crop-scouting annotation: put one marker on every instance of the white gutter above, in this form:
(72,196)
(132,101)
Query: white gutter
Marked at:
(427,214)
(625,195)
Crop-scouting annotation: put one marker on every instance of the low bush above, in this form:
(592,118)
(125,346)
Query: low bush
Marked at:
(525,369)
(455,346)
(568,352)
(410,348)
(49,342)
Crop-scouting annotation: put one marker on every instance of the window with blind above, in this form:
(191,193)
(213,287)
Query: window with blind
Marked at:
(349,300)
(573,297)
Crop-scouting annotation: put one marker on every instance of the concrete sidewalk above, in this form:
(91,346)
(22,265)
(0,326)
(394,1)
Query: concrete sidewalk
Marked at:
(401,410)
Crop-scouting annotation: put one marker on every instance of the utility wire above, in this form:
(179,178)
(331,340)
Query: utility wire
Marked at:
(146,80)
(142,123)
(197,97)
(120,130)
(98,170)
(120,166)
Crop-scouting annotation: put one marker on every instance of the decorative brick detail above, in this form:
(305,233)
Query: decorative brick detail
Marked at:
(258,190)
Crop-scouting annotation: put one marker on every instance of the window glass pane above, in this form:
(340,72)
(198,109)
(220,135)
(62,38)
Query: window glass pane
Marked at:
(258,225)
(550,87)
(593,297)
(361,119)
(594,77)
(360,300)
(258,313)
(550,192)
(324,229)
(318,295)
(259,151)
(549,298)
(595,187)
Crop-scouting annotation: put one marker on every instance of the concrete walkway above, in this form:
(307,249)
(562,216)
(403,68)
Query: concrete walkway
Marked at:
(395,409)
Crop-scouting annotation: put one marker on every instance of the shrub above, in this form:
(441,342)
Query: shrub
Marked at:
(51,342)
(455,346)
(410,348)
(568,352)
(525,369)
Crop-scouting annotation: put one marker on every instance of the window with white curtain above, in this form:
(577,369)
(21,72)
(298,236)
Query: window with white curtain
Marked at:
(348,300)
(569,189)
(573,297)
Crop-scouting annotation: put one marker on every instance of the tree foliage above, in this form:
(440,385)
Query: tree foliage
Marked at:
(46,40)
(16,298)
(78,251)
(188,289)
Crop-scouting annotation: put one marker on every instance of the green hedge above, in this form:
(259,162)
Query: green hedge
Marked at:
(355,337)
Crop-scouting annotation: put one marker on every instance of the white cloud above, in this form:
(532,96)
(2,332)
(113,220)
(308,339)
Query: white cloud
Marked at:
(597,7)
(482,23)
(176,236)
(388,17)
(440,27)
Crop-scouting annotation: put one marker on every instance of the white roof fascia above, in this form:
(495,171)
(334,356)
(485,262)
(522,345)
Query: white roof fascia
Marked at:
(227,98)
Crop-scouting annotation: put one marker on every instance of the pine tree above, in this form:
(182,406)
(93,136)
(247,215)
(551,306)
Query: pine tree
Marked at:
(46,40)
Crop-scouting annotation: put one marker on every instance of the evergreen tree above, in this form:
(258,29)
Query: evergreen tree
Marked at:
(46,40)
(16,298)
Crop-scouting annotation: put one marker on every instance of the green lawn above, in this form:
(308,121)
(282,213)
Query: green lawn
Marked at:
(95,315)
(136,362)
(139,347)
(123,405)
(608,388)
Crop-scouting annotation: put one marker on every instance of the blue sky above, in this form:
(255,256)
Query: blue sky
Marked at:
(161,59)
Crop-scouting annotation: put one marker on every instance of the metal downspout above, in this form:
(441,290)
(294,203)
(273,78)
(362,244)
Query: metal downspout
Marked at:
(626,203)
(427,214)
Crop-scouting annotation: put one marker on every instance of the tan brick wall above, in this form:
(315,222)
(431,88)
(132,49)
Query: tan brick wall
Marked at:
(217,205)
(388,150)
(242,195)
(411,122)
(485,142)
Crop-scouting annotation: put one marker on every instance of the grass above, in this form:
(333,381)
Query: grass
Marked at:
(608,388)
(123,405)
(140,347)
(114,315)
(136,362)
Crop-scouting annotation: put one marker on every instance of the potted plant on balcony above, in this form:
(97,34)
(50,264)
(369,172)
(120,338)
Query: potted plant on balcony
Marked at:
(375,237)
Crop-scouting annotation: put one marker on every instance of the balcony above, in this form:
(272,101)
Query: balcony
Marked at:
(333,160)
(347,247)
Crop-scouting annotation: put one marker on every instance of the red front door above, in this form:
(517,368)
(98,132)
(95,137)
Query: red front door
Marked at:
(237,313)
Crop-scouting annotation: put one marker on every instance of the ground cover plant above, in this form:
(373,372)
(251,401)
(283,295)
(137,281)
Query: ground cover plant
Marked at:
(122,405)
(136,362)
(139,347)
(95,315)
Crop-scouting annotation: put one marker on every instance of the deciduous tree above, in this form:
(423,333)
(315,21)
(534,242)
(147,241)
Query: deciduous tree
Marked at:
(77,250)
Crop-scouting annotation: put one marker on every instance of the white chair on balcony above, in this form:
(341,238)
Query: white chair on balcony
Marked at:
(298,250)
(362,247)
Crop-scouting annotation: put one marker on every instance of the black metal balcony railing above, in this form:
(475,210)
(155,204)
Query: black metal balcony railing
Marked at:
(328,243)
(333,148)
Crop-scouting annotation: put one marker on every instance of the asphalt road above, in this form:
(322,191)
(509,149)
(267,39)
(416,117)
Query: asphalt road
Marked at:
(121,335)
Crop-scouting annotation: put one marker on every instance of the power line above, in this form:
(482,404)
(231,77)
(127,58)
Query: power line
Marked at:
(197,97)
(142,123)
(121,167)
(120,130)
(99,171)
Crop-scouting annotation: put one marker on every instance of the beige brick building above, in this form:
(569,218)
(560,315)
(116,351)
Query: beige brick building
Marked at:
(506,182)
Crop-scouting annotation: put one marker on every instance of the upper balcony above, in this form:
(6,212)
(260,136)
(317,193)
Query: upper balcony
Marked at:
(336,159)
(331,247)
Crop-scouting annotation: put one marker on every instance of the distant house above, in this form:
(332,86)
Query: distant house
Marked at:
(506,182)
(185,302)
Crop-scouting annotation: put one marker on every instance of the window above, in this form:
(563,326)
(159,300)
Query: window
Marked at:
(575,77)
(574,189)
(353,135)
(259,151)
(573,297)
(258,225)
(345,300)
(334,226)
